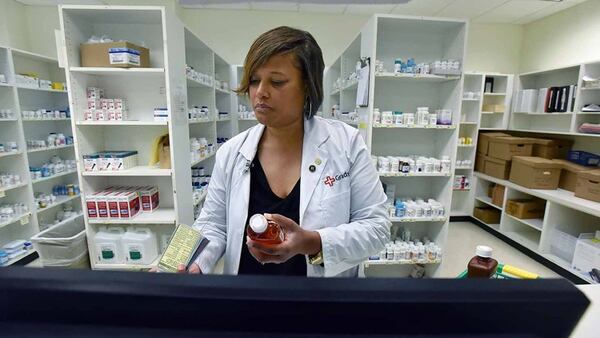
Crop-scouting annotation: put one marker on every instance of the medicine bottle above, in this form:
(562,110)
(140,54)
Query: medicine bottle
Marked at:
(482,265)
(265,231)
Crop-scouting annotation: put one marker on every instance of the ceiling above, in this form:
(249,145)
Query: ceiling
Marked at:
(483,11)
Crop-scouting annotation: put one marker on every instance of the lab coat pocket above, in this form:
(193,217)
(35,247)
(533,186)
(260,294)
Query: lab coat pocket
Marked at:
(336,209)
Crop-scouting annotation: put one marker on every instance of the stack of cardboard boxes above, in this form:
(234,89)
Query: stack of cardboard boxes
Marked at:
(536,164)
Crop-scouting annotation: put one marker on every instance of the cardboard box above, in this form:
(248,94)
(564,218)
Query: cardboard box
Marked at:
(120,54)
(588,185)
(505,148)
(484,139)
(497,168)
(535,172)
(490,190)
(526,208)
(487,215)
(587,254)
(498,195)
(568,174)
(480,162)
(551,149)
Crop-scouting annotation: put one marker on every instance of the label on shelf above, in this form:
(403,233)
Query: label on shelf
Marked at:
(24,219)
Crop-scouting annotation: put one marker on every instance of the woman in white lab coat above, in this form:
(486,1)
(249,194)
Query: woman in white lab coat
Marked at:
(312,176)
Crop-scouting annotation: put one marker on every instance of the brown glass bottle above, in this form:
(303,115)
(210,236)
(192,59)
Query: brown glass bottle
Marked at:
(265,231)
(482,265)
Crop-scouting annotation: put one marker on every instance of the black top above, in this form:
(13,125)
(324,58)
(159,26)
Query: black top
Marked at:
(263,200)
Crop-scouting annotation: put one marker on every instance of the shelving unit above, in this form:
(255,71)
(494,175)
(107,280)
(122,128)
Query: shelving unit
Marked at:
(163,84)
(475,118)
(19,98)
(385,38)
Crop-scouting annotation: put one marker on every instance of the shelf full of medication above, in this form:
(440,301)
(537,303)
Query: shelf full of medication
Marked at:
(412,165)
(441,119)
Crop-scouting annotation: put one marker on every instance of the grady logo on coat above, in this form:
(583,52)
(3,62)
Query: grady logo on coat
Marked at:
(330,180)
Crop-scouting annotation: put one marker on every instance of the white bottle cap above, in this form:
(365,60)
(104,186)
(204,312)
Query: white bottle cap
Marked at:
(483,251)
(258,223)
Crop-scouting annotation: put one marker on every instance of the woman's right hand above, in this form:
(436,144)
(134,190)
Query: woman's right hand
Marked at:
(194,269)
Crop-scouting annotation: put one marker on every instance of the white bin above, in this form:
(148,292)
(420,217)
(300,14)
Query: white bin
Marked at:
(63,245)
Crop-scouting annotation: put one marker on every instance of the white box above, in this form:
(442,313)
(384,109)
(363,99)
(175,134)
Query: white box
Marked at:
(94,93)
(122,160)
(100,115)
(587,254)
(89,115)
(90,162)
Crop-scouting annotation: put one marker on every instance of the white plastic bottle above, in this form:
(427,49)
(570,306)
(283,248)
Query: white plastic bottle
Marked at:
(140,246)
(108,246)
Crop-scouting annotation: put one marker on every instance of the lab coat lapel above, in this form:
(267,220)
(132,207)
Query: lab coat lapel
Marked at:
(312,154)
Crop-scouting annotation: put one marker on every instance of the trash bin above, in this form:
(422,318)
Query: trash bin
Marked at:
(63,245)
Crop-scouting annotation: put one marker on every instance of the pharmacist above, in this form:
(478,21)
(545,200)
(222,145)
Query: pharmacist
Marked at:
(314,177)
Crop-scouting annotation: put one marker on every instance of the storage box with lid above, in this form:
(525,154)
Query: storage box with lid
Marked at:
(526,208)
(480,162)
(484,139)
(588,185)
(498,195)
(487,215)
(505,148)
(497,168)
(568,174)
(587,254)
(535,172)
(121,54)
(551,148)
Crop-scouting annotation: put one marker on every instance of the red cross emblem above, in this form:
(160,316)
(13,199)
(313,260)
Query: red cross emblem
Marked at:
(329,181)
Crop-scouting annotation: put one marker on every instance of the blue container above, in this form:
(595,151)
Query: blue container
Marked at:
(584,158)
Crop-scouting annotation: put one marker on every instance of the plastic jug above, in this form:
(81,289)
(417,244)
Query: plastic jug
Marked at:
(140,246)
(108,245)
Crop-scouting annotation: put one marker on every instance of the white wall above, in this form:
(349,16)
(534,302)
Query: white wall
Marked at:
(567,37)
(490,47)
(493,48)
(230,33)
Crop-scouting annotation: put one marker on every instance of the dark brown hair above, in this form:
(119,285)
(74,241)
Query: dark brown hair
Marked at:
(306,51)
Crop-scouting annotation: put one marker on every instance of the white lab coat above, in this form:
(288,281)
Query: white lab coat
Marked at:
(349,214)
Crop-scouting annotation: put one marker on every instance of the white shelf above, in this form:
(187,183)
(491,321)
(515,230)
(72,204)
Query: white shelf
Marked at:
(64,221)
(559,196)
(335,92)
(494,94)
(197,84)
(394,262)
(248,119)
(417,219)
(488,201)
(586,135)
(494,226)
(49,148)
(466,145)
(469,123)
(471,100)
(135,171)
(414,174)
(490,113)
(195,121)
(42,89)
(126,267)
(535,223)
(590,88)
(523,238)
(492,128)
(24,218)
(3,84)
(413,126)
(461,189)
(34,56)
(60,200)
(588,113)
(7,154)
(203,159)
(117,71)
(417,77)
(221,91)
(463,168)
(567,266)
(18,258)
(544,114)
(159,216)
(44,179)
(121,123)
(47,120)
(8,120)
(11,187)
(224,120)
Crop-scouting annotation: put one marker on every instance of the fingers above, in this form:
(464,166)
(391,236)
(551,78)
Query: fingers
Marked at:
(194,269)
(153,269)
(286,223)
(265,258)
(269,249)
(181,268)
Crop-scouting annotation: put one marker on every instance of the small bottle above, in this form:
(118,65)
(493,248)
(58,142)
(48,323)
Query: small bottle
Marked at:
(482,265)
(265,231)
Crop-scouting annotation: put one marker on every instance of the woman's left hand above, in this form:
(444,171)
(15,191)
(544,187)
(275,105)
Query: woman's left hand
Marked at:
(297,241)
